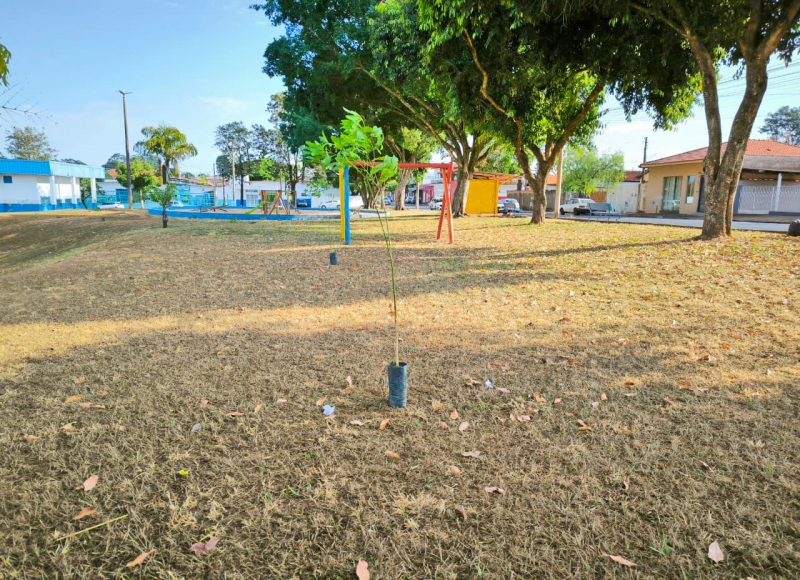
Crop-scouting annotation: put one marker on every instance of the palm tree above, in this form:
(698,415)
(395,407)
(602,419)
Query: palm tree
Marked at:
(168,144)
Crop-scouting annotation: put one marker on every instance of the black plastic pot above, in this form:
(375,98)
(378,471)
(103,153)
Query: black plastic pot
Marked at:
(398,385)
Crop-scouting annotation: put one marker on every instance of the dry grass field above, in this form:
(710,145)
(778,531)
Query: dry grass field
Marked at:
(645,401)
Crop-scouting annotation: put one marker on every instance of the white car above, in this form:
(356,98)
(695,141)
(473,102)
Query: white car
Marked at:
(111,205)
(356,202)
(435,204)
(576,206)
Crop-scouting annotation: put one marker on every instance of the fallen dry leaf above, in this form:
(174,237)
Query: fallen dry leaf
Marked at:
(583,426)
(69,427)
(203,403)
(621,560)
(29,437)
(464,426)
(384,424)
(455,471)
(280,401)
(502,390)
(83,513)
(461,511)
(73,398)
(556,401)
(103,393)
(626,483)
(357,422)
(321,401)
(629,383)
(362,570)
(539,399)
(454,415)
(202,548)
(90,483)
(595,405)
(444,425)
(471,454)
(603,397)
(258,408)
(392,454)
(706,357)
(705,465)
(472,382)
(523,418)
(349,380)
(491,490)
(667,401)
(140,559)
(235,414)
(715,552)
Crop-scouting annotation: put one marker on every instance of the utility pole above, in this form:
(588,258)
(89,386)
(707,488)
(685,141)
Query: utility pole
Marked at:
(233,176)
(641,179)
(559,179)
(127,150)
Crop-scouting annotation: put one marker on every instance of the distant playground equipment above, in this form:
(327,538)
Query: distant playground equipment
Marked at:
(273,202)
(446,211)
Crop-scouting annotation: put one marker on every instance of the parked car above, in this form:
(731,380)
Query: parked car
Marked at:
(507,206)
(576,206)
(356,202)
(388,200)
(111,205)
(435,204)
(410,199)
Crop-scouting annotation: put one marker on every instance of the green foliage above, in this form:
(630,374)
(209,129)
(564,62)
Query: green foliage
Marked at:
(144,175)
(355,143)
(86,190)
(585,170)
(29,143)
(501,160)
(317,186)
(783,125)
(163,196)
(168,145)
(5,56)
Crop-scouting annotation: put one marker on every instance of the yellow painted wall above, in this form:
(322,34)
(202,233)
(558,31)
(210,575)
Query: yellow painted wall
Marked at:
(482,196)
(654,188)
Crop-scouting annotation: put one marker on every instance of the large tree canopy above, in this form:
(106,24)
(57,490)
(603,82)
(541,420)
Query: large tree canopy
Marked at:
(544,78)
(585,170)
(373,58)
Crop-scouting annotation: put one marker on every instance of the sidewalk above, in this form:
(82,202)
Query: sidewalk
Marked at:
(692,222)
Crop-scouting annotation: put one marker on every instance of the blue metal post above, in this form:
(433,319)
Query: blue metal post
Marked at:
(346,206)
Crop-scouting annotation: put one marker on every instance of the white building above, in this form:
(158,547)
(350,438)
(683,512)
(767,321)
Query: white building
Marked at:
(624,194)
(253,189)
(44,185)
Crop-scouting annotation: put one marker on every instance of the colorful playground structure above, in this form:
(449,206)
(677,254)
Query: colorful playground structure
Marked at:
(446,211)
(272,202)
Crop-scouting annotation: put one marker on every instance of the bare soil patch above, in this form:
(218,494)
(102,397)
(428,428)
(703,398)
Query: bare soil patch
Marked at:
(645,401)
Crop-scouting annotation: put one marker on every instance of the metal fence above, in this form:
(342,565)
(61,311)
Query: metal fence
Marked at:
(760,199)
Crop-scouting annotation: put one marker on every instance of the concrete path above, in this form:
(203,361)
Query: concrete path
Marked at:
(687,223)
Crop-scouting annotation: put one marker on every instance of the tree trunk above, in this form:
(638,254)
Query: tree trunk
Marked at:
(165,173)
(400,190)
(539,199)
(164,217)
(723,179)
(464,176)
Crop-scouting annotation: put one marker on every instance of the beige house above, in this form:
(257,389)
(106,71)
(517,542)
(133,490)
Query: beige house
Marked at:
(770,181)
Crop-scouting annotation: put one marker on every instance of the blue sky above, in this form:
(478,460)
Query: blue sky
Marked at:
(197,65)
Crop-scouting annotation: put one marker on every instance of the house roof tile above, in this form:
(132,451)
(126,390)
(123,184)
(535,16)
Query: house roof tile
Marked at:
(755,148)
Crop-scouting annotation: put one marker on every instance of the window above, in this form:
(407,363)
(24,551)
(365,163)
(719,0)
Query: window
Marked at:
(7,179)
(671,200)
(691,188)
